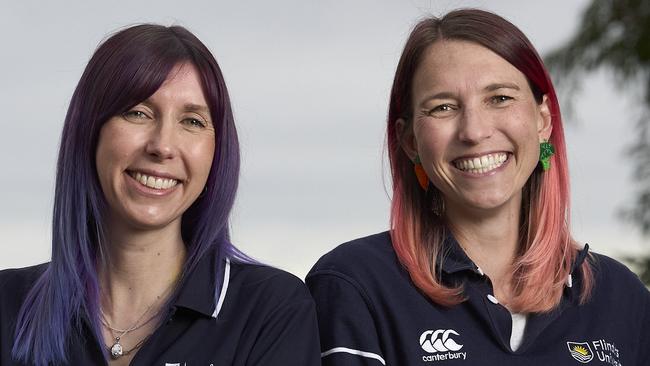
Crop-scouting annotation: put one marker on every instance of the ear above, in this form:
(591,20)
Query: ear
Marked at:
(544,122)
(406,138)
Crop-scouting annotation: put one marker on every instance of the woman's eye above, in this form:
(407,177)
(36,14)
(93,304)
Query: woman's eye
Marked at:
(134,115)
(498,99)
(195,122)
(441,109)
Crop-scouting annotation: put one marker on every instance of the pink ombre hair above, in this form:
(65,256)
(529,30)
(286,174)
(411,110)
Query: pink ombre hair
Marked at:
(547,250)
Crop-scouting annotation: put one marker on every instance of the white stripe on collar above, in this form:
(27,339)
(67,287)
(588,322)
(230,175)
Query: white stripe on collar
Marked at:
(224,289)
(354,352)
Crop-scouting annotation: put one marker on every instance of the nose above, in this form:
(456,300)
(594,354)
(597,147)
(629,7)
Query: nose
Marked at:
(161,143)
(474,127)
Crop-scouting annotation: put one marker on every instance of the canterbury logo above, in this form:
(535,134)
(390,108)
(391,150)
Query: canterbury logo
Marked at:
(439,341)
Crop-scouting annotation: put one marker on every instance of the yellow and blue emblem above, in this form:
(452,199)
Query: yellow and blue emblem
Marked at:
(580,351)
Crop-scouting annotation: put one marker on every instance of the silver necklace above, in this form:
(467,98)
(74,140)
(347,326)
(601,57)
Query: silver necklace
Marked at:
(116,349)
(124,331)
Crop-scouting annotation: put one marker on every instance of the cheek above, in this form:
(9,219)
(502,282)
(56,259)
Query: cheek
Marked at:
(525,121)
(432,142)
(201,154)
(114,148)
(524,132)
(105,155)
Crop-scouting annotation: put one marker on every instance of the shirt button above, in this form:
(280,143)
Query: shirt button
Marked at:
(492,299)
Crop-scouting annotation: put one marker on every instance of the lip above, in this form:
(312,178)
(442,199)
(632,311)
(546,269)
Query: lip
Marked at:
(147,191)
(155,173)
(486,174)
(476,155)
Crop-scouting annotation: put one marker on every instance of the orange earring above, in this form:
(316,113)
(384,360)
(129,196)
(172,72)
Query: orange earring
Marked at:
(421,175)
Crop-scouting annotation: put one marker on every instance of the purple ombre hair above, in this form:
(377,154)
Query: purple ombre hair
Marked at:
(126,69)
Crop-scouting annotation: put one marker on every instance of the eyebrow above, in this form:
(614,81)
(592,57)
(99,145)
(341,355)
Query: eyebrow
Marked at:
(497,86)
(197,108)
(189,107)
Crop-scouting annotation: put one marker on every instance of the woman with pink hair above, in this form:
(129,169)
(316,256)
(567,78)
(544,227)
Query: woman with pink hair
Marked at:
(479,266)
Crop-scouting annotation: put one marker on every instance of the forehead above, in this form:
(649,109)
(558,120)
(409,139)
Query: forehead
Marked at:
(183,83)
(457,66)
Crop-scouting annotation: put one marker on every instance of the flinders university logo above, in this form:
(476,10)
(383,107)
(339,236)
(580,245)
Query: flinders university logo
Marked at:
(580,351)
(442,345)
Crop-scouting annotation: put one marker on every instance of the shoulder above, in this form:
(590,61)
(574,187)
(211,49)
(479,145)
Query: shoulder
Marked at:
(19,280)
(268,282)
(14,286)
(363,255)
(614,280)
(612,271)
(367,266)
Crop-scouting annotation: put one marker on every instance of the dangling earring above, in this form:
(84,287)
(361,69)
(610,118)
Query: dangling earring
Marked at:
(432,195)
(546,150)
(420,174)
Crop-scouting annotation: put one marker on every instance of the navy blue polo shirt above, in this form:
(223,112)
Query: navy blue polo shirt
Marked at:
(370,313)
(264,316)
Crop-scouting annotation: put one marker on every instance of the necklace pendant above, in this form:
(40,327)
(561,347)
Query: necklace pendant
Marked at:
(116,350)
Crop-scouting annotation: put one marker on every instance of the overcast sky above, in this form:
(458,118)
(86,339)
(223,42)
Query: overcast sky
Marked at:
(309,81)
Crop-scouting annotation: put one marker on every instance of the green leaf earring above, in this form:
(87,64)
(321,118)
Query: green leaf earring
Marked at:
(546,150)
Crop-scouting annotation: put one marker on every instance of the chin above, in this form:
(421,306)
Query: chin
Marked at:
(148,224)
(487,202)
(142,220)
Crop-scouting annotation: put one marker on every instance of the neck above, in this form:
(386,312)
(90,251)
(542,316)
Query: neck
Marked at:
(140,269)
(490,239)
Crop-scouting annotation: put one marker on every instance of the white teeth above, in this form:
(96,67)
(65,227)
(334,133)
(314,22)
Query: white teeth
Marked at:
(483,164)
(484,161)
(154,182)
(477,163)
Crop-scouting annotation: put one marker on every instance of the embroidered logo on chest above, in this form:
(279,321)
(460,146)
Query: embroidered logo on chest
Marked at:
(580,351)
(601,349)
(443,345)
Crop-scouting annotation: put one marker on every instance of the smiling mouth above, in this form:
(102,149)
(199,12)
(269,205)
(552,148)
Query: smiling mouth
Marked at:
(152,181)
(481,164)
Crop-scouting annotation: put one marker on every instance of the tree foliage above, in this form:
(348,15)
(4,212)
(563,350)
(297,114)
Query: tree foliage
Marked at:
(615,35)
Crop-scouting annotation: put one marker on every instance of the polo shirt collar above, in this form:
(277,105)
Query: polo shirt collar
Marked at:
(573,281)
(452,258)
(582,255)
(198,288)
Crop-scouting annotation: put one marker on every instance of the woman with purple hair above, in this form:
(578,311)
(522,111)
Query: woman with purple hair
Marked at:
(142,269)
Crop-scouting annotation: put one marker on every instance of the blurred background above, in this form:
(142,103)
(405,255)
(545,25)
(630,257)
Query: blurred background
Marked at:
(309,82)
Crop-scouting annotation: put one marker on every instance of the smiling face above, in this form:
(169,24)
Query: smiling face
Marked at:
(154,160)
(476,125)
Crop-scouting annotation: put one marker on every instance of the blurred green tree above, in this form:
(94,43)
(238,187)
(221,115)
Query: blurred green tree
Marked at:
(615,35)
